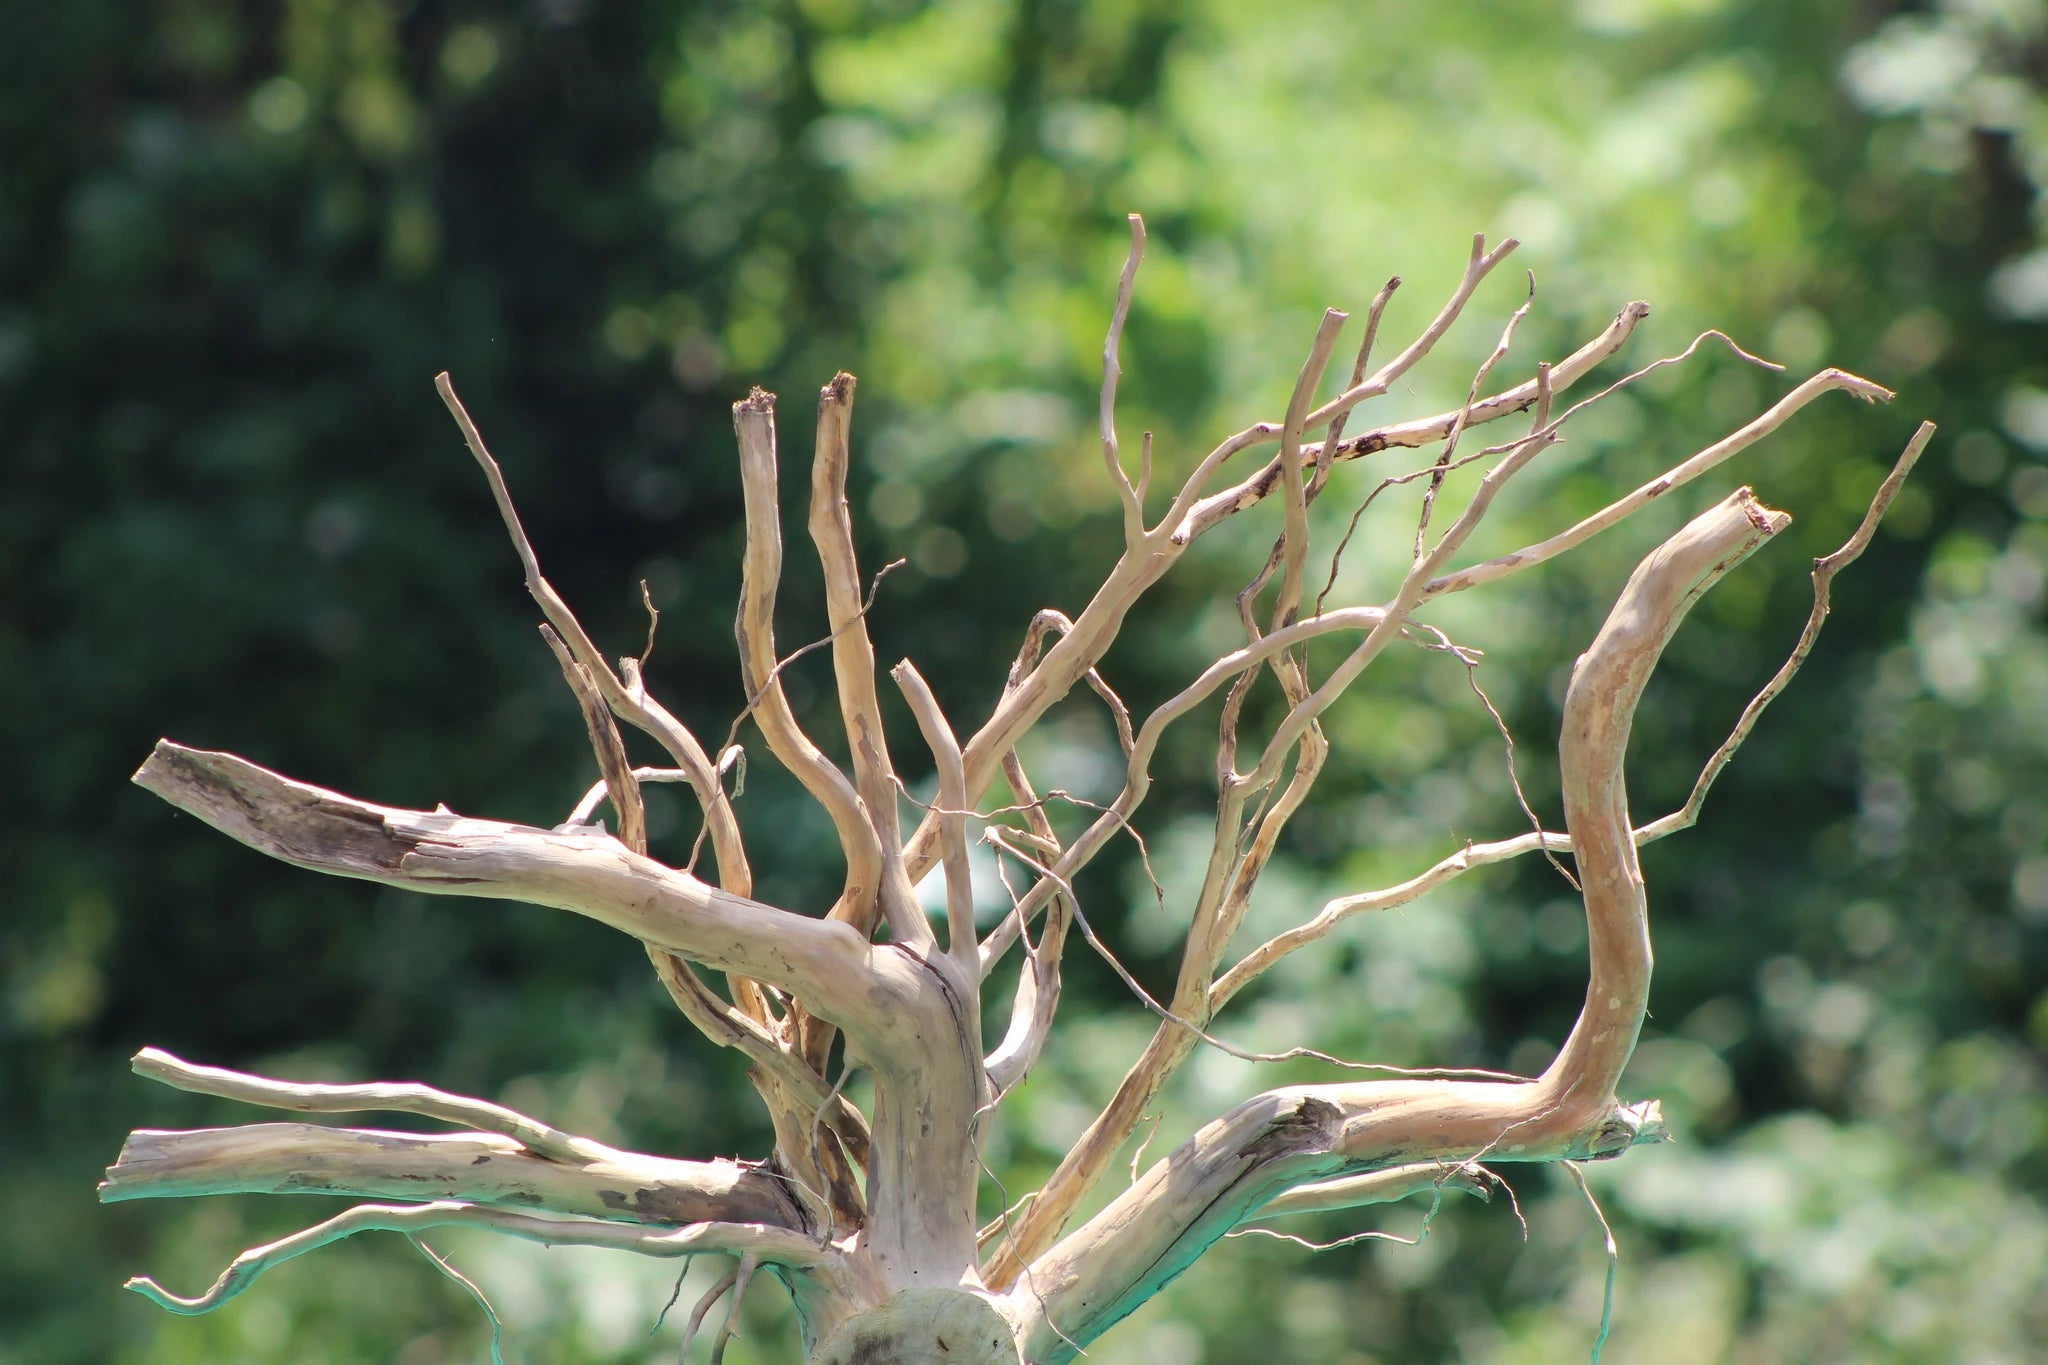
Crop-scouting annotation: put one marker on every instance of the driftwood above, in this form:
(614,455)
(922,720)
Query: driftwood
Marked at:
(870,1218)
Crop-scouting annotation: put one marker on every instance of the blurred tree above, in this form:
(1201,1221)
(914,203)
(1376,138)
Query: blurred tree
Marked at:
(235,243)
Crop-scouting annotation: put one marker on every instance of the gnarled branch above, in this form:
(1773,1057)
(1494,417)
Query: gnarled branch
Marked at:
(1313,1134)
(590,874)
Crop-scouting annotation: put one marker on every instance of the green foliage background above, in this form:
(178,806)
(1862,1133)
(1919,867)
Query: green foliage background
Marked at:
(236,242)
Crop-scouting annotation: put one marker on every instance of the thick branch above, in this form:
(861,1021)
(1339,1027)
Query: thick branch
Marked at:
(1598,710)
(1314,1134)
(477,1168)
(1237,1165)
(590,874)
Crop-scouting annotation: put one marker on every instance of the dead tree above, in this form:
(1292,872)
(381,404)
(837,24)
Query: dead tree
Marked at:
(870,1219)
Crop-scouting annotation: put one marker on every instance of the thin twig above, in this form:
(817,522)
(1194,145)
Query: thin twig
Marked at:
(1613,1257)
(1436,1202)
(1507,739)
(1514,1204)
(703,1310)
(1029,1284)
(1146,998)
(586,809)
(673,1295)
(1138,1155)
(1824,571)
(1038,984)
(1443,460)
(1126,493)
(779,1245)
(446,1267)
(653,623)
(1294,536)
(605,743)
(742,1276)
(1334,437)
(1684,472)
(1192,514)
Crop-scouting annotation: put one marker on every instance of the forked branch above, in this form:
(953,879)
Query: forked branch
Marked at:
(1314,1134)
(876,1231)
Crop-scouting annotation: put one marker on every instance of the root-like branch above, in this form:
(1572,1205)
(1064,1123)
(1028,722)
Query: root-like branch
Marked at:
(1380,1187)
(774,1245)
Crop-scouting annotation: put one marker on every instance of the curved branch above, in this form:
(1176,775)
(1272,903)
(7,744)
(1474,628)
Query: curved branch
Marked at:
(776,1246)
(1380,1187)
(1685,472)
(1313,1134)
(1253,964)
(952,815)
(1824,570)
(590,874)
(1599,708)
(1038,981)
(391,1097)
